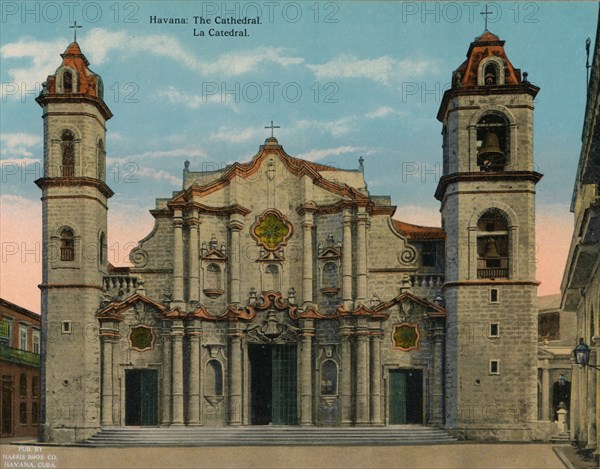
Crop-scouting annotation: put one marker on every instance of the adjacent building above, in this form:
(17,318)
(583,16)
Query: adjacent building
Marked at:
(557,332)
(581,282)
(20,388)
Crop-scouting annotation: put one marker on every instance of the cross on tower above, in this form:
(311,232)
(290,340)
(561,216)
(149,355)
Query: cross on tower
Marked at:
(272,127)
(485,14)
(74,27)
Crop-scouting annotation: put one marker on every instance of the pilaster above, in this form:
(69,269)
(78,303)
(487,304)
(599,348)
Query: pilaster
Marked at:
(177,259)
(177,338)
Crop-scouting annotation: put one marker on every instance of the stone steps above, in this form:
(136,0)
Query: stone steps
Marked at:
(269,436)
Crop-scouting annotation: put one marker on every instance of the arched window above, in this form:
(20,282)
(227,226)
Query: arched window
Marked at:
(492,143)
(492,245)
(67,81)
(329,378)
(271,278)
(213,384)
(102,249)
(67,245)
(490,75)
(329,277)
(213,277)
(101,160)
(67,147)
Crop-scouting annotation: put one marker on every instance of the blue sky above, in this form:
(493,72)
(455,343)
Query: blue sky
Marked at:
(342,79)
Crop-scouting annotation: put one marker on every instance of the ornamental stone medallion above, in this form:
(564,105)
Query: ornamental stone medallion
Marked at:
(141,338)
(406,337)
(272,230)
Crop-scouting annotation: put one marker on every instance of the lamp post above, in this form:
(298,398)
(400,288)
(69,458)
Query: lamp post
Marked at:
(582,354)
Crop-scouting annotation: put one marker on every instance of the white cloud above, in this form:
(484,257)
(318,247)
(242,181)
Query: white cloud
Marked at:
(158,175)
(385,70)
(188,152)
(316,155)
(175,96)
(99,42)
(19,145)
(385,111)
(43,57)
(338,127)
(226,134)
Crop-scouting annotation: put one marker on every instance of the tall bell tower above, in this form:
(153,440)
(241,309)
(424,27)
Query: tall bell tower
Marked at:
(74,201)
(487,196)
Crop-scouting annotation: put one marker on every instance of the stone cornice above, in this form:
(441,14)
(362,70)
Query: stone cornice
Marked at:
(484,176)
(44,183)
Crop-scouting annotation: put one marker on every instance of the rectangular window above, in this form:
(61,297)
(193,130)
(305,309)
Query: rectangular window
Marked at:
(429,255)
(495,330)
(23,413)
(494,367)
(23,336)
(494,297)
(66,327)
(35,386)
(23,385)
(35,413)
(36,341)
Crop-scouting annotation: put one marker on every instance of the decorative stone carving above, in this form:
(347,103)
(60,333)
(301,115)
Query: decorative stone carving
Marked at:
(272,230)
(141,338)
(406,337)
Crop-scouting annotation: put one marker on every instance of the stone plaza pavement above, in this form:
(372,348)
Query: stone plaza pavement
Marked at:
(459,456)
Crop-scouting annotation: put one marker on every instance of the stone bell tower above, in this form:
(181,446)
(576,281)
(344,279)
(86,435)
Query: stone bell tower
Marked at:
(74,200)
(487,196)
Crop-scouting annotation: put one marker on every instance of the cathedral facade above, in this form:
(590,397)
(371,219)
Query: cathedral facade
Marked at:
(280,291)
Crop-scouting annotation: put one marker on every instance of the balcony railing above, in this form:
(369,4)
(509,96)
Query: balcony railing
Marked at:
(498,272)
(22,357)
(68,171)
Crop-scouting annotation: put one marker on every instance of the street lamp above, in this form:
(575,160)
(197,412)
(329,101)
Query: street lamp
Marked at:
(582,354)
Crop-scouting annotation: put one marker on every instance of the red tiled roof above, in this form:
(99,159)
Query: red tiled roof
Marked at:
(418,232)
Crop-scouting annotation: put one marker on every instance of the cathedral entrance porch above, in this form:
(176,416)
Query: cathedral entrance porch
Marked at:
(141,397)
(406,397)
(273,384)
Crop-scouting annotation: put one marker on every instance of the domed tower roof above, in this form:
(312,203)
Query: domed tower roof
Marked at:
(486,69)
(74,79)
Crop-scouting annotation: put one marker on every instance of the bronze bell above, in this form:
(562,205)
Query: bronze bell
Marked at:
(490,152)
(491,249)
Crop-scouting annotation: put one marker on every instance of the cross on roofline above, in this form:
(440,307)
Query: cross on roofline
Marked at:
(485,14)
(272,127)
(74,27)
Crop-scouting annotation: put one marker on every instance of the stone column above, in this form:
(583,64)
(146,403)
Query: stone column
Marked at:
(306,373)
(193,284)
(362,373)
(307,259)
(581,405)
(235,226)
(361,257)
(177,259)
(591,401)
(177,338)
(166,374)
(235,375)
(375,337)
(437,391)
(346,373)
(347,260)
(107,376)
(194,407)
(545,392)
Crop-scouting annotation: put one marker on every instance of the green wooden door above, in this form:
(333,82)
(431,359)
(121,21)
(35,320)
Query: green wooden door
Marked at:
(149,396)
(284,385)
(141,397)
(397,397)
